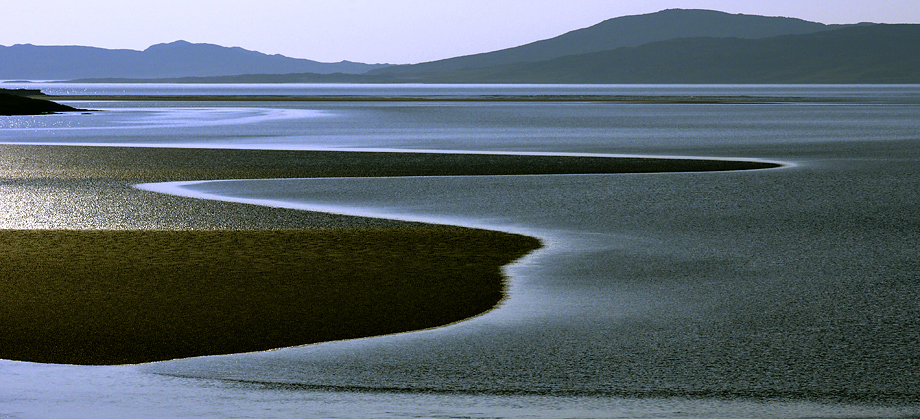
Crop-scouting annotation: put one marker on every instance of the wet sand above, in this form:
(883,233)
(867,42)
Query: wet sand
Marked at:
(97,272)
(129,296)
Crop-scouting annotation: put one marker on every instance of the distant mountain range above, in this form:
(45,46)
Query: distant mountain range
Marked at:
(176,59)
(861,54)
(626,31)
(671,46)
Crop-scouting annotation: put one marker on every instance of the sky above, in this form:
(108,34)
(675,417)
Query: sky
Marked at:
(374,31)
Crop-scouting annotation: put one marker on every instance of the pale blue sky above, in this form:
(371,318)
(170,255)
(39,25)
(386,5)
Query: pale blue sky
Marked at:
(374,31)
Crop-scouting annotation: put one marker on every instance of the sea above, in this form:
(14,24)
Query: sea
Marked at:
(791,292)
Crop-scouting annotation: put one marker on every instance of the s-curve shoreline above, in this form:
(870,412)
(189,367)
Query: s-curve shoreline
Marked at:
(99,272)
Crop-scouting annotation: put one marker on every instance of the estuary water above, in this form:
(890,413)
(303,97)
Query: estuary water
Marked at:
(790,292)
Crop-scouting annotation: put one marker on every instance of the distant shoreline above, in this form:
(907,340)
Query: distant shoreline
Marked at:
(624,99)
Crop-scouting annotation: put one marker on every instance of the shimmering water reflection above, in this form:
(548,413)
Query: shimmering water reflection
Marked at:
(687,284)
(61,391)
(773,293)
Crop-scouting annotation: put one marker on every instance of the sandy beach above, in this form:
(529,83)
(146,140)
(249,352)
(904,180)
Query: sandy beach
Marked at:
(97,272)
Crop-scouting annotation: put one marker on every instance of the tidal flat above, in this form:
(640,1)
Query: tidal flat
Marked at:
(787,292)
(110,274)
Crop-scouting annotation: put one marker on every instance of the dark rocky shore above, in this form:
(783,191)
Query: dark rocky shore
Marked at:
(26,102)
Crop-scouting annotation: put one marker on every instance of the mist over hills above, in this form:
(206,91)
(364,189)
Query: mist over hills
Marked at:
(176,59)
(670,46)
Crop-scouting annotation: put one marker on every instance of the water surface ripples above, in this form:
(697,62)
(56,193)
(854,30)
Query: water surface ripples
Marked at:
(771,293)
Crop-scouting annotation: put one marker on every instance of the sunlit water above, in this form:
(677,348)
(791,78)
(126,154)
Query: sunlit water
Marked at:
(790,292)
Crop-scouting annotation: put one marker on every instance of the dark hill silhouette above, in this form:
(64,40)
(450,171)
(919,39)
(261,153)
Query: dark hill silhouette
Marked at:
(859,54)
(671,46)
(21,102)
(176,59)
(856,54)
(626,31)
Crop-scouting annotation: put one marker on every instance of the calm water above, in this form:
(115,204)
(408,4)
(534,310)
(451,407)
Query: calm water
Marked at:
(777,293)
(888,93)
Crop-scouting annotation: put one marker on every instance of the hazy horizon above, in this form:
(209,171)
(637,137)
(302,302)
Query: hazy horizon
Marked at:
(367,31)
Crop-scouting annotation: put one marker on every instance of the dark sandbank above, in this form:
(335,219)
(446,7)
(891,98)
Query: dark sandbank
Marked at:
(120,275)
(112,297)
(167,164)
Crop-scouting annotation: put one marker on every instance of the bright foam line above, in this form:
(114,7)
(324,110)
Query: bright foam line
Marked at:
(180,189)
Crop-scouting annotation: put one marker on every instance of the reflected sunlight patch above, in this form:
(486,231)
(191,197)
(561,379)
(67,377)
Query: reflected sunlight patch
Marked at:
(121,118)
